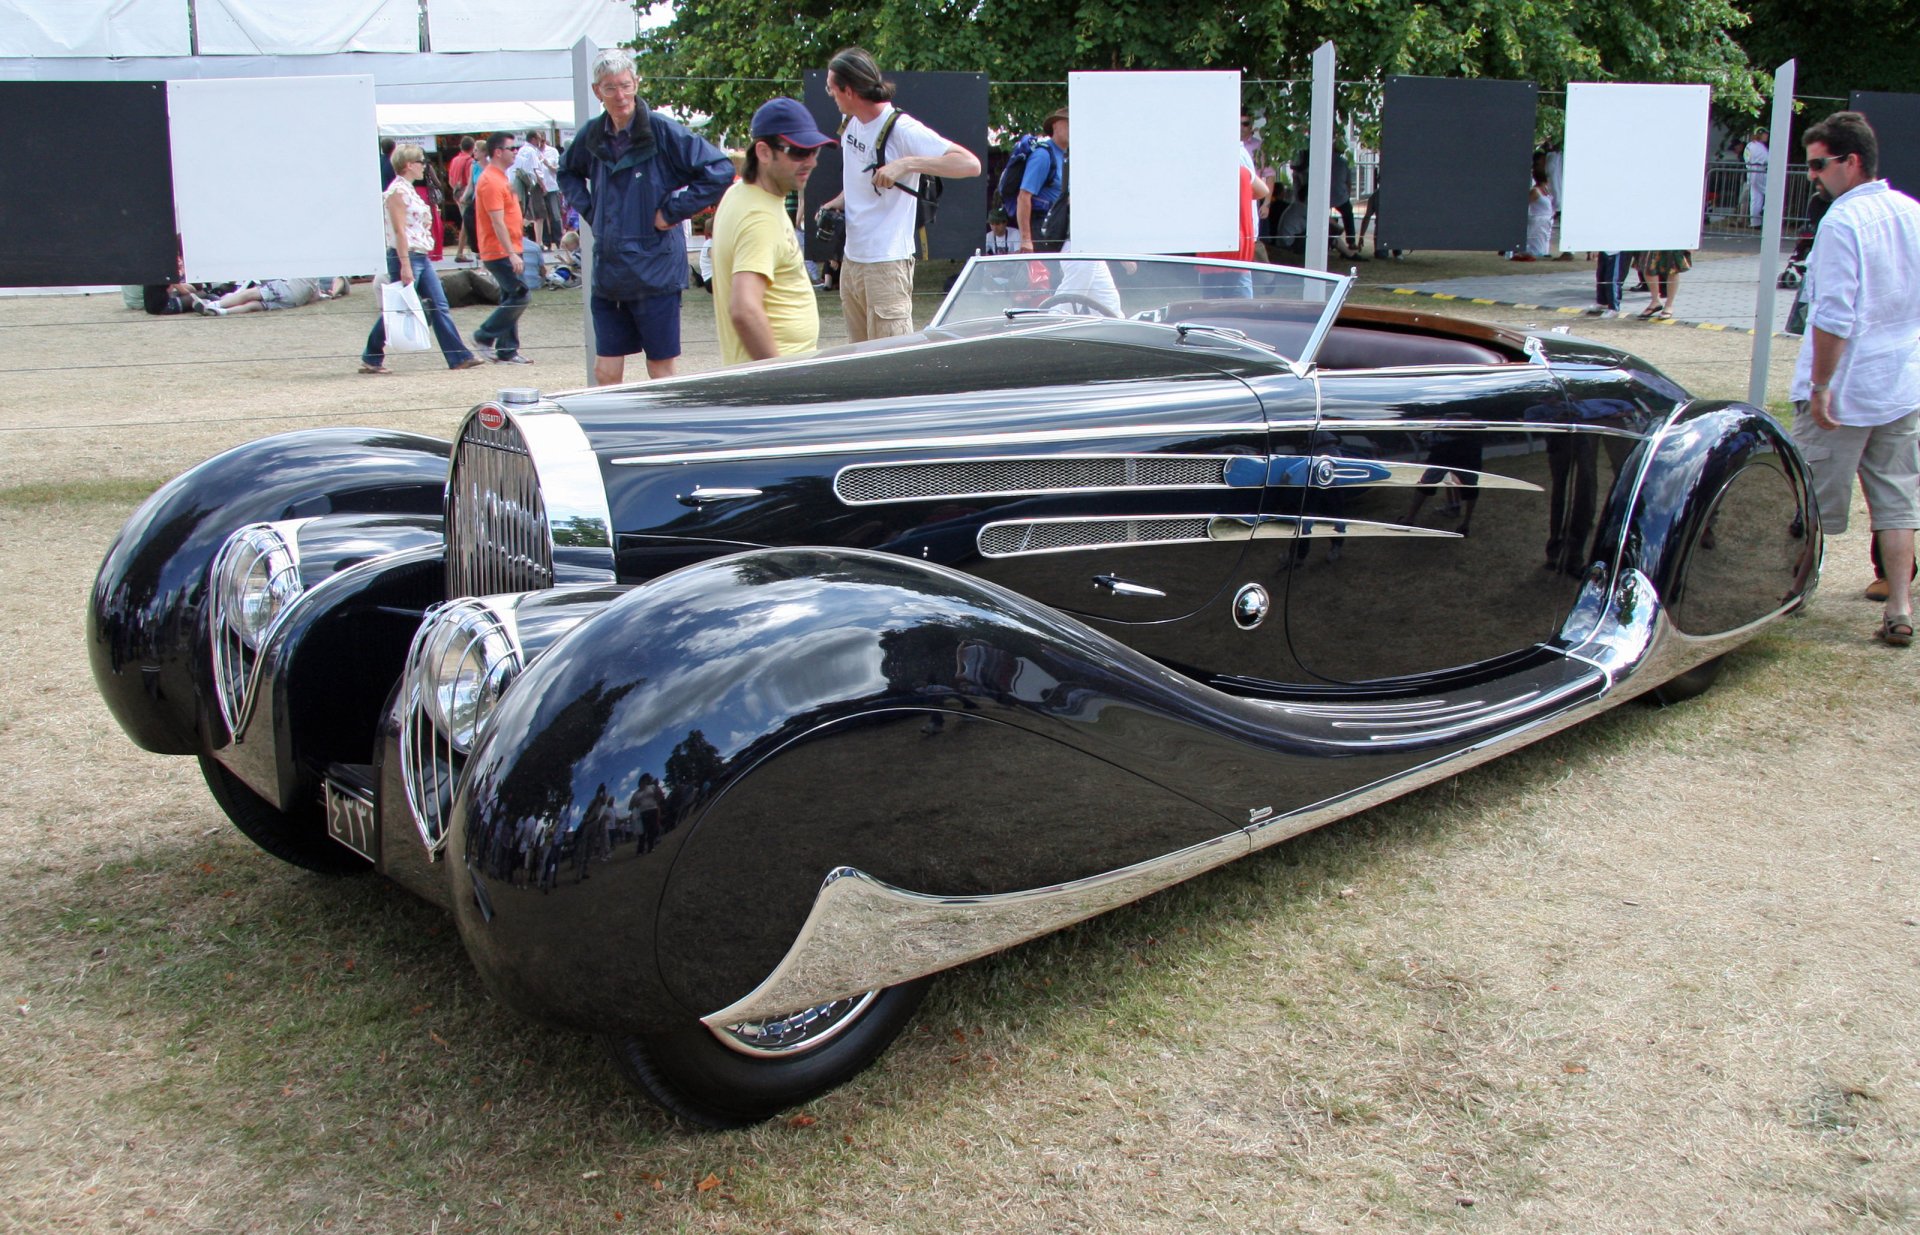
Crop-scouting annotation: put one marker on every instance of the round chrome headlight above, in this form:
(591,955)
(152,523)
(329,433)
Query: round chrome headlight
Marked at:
(259,576)
(466,663)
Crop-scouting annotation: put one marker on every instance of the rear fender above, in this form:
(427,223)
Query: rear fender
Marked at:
(1722,521)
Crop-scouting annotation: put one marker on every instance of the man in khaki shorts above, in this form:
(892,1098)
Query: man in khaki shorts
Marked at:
(876,276)
(1856,388)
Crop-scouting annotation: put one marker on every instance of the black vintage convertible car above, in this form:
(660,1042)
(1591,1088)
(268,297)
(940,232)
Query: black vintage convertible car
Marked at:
(722,712)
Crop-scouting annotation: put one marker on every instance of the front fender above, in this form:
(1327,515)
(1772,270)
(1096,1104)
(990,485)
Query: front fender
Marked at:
(571,885)
(144,623)
(650,814)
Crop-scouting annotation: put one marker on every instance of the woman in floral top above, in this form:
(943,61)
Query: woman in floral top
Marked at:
(409,241)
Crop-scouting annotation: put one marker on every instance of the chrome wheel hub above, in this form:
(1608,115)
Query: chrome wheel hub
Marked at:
(796,1032)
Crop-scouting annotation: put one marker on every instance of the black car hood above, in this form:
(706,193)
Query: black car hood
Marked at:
(980,377)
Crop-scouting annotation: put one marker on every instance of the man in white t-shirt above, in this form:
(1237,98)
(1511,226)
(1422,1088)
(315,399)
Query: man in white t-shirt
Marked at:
(876,275)
(1755,156)
(1856,387)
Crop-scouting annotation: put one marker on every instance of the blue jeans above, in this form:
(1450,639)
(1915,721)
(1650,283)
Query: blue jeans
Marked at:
(1226,284)
(1610,270)
(433,298)
(501,330)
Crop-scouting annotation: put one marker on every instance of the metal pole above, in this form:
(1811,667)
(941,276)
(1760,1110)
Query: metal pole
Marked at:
(1320,157)
(1771,222)
(583,56)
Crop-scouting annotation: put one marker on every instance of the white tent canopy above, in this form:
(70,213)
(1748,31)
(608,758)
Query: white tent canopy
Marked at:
(433,119)
(61,29)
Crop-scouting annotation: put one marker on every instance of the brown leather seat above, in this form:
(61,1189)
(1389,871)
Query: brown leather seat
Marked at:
(1286,325)
(1356,347)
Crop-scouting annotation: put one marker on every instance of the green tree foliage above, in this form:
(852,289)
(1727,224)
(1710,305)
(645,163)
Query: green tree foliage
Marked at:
(1840,46)
(725,57)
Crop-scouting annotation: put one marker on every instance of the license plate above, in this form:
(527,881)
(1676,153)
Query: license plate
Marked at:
(350,818)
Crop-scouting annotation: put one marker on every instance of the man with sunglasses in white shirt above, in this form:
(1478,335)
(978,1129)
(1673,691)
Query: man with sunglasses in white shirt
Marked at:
(1856,388)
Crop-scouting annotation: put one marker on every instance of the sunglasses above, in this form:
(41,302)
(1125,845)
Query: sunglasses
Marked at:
(792,151)
(1819,163)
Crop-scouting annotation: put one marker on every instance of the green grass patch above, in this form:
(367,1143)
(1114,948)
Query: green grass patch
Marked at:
(105,492)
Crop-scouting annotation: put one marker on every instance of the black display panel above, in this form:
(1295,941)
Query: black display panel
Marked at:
(1896,122)
(97,212)
(953,105)
(1456,158)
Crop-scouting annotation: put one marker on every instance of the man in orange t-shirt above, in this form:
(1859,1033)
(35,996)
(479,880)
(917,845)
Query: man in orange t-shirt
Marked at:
(496,213)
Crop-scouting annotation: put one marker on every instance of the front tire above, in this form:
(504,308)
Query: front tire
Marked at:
(299,836)
(1691,684)
(743,1074)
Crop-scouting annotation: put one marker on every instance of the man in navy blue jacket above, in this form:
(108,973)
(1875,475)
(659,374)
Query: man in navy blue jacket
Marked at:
(635,176)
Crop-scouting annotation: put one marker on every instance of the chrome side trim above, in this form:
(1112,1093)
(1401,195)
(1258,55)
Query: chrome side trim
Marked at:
(863,933)
(1335,472)
(1092,433)
(860,925)
(1391,424)
(1071,534)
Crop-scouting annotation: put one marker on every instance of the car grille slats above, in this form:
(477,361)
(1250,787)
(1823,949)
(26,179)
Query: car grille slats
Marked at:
(497,534)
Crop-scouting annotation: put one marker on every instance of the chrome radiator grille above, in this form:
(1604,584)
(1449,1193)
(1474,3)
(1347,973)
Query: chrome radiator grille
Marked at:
(498,539)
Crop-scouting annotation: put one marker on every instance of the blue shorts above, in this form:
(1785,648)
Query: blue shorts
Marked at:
(650,325)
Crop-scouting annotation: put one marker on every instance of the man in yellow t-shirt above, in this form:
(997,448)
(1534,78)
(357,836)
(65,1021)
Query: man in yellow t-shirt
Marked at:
(762,297)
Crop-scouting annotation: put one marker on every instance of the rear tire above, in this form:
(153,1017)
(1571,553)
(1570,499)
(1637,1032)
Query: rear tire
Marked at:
(1692,683)
(723,1078)
(299,836)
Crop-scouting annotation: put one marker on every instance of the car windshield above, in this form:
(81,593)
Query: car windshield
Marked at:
(1278,307)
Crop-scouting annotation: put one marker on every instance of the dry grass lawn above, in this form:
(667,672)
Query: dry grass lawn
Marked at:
(1659,973)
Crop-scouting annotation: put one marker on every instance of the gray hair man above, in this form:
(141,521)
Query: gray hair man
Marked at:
(635,176)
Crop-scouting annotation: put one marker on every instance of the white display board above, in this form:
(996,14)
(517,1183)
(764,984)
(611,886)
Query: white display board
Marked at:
(1154,162)
(251,202)
(1635,167)
(35,28)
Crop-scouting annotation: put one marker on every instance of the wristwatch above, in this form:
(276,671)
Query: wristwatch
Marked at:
(1819,387)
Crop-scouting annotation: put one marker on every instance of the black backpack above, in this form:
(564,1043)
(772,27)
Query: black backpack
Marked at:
(927,203)
(1016,170)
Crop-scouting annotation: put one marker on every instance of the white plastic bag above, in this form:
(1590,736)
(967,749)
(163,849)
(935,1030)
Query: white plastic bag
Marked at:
(407,326)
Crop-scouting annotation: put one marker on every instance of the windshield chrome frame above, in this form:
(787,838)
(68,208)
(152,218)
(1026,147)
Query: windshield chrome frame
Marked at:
(1338,286)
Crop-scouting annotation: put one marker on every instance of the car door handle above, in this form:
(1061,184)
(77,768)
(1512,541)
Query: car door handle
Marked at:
(701,496)
(1126,587)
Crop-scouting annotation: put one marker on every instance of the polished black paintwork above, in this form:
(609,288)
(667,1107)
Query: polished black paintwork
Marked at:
(145,634)
(955,724)
(1724,522)
(862,659)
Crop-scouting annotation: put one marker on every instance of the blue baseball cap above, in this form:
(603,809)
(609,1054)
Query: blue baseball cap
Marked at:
(786,118)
